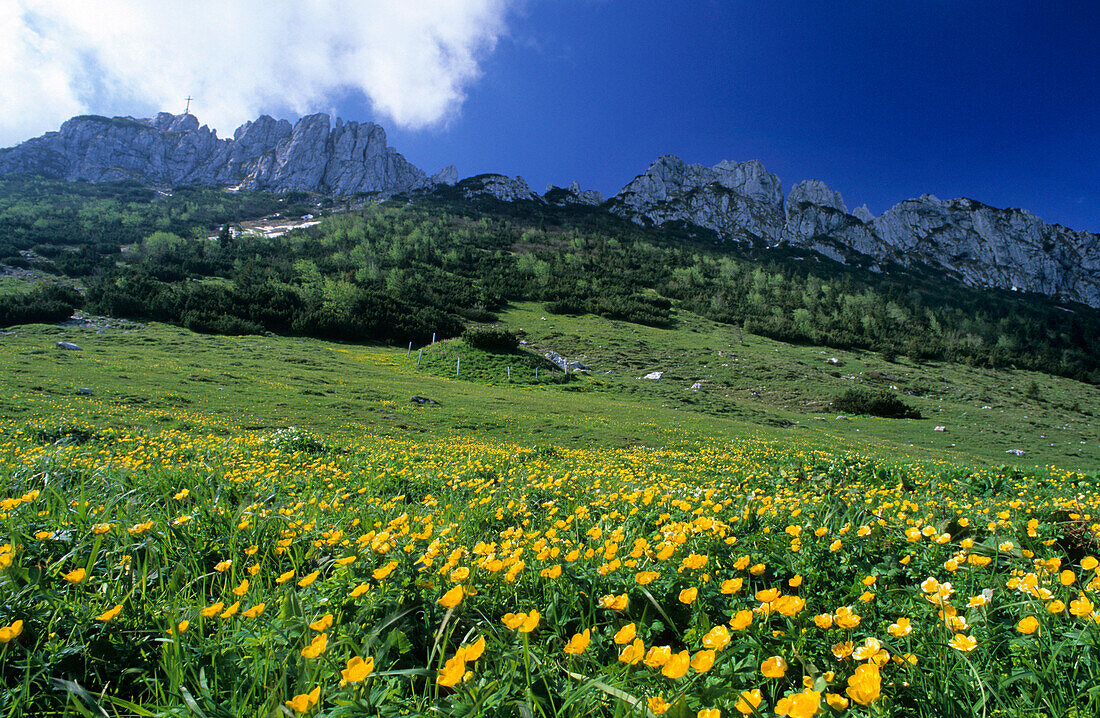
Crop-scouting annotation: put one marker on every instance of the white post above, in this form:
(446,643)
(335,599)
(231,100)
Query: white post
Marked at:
(458,365)
(536,373)
(419,355)
(433,337)
(409,354)
(509,374)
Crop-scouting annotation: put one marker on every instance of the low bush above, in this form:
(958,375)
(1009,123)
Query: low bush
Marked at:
(875,403)
(491,339)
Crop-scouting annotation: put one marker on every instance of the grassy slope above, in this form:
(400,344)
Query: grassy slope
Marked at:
(165,376)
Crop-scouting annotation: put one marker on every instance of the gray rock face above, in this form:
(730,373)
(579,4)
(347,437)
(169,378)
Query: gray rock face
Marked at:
(981,245)
(266,154)
(508,189)
(573,194)
(741,201)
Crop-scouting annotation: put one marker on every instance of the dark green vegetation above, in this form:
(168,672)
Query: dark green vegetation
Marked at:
(400,272)
(874,403)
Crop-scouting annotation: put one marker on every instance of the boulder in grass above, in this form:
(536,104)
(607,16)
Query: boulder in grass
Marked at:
(654,375)
(424,401)
(69,346)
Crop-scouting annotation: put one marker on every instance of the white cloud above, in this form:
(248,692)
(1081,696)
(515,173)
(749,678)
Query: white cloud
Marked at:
(413,59)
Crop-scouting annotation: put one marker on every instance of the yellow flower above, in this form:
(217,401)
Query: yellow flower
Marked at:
(578,643)
(98,529)
(110,614)
(1028,625)
(837,703)
(688,595)
(522,622)
(323,623)
(284,577)
(11,632)
(1089,563)
(242,589)
(717,638)
(316,647)
(1081,606)
(901,628)
(758,569)
(228,613)
(658,705)
(702,661)
(213,610)
(452,598)
(963,643)
(789,605)
(676,665)
(139,529)
(1066,578)
(708,713)
(381,573)
(473,651)
(359,590)
(223,566)
(741,620)
(694,561)
(658,656)
(845,618)
(358,669)
(633,653)
(748,701)
(452,672)
(823,620)
(617,603)
(732,585)
(75,576)
(835,546)
(795,581)
(767,595)
(1056,606)
(303,702)
(865,685)
(842,650)
(181,494)
(308,579)
(626,634)
(805,704)
(254,611)
(774,667)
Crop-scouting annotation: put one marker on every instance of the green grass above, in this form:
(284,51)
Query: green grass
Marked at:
(163,375)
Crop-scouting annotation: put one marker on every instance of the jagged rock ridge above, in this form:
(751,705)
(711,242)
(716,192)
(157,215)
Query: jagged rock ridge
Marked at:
(265,154)
(980,245)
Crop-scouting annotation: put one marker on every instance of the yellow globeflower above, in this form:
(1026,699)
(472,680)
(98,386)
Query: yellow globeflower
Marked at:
(473,651)
(617,603)
(1066,578)
(1056,606)
(823,620)
(633,653)
(241,589)
(676,665)
(837,703)
(11,632)
(717,638)
(758,569)
(804,704)
(359,590)
(316,647)
(644,578)
(658,656)
(865,685)
(708,713)
(452,598)
(357,670)
(732,585)
(1081,606)
(658,705)
(75,576)
(254,611)
(1028,625)
(231,610)
(384,571)
(774,667)
(308,579)
(110,614)
(688,595)
(963,643)
(213,610)
(303,702)
(1089,563)
(223,566)
(578,643)
(323,623)
(452,672)
(284,577)
(702,661)
(748,701)
(741,620)
(626,634)
(901,628)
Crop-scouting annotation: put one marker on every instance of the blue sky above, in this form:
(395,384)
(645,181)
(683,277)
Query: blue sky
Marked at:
(998,101)
(882,100)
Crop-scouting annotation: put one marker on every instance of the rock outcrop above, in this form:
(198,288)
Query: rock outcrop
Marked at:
(507,189)
(573,194)
(980,245)
(738,200)
(265,154)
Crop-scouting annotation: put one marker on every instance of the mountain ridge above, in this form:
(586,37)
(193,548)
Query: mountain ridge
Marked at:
(977,244)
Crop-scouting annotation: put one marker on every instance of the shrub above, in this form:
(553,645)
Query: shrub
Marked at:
(492,339)
(875,403)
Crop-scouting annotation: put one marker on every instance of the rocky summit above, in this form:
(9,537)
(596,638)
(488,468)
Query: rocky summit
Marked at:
(977,244)
(266,154)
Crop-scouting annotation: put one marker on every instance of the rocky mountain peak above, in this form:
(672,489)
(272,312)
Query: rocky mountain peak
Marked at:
(311,154)
(507,189)
(817,193)
(573,194)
